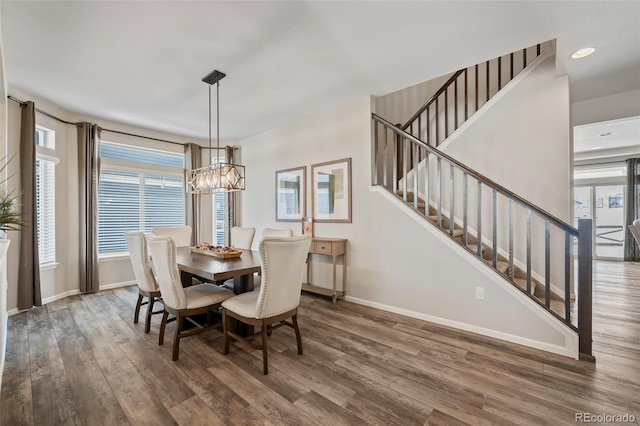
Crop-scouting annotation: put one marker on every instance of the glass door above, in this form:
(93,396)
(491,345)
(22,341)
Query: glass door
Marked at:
(605,205)
(609,222)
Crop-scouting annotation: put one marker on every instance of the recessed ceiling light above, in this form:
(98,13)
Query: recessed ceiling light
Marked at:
(605,134)
(583,52)
(597,147)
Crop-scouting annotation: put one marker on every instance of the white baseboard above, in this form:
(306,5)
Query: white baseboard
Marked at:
(560,350)
(73,293)
(117,285)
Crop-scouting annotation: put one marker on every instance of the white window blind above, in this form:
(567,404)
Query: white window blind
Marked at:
(46,210)
(219,201)
(139,189)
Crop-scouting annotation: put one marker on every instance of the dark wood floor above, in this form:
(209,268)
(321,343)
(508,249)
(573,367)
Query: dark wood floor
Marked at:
(81,360)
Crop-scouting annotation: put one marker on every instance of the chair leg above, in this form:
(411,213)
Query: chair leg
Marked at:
(147,323)
(226,324)
(265,363)
(269,332)
(176,337)
(137,312)
(294,319)
(163,324)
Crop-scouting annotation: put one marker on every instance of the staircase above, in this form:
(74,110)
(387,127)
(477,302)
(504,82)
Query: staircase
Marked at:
(501,229)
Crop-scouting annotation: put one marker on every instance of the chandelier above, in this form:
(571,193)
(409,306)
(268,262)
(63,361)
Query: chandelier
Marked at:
(218,176)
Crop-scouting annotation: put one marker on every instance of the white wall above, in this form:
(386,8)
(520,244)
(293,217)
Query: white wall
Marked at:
(393,262)
(612,107)
(3,155)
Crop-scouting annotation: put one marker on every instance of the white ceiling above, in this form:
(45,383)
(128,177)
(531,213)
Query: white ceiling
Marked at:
(141,62)
(607,136)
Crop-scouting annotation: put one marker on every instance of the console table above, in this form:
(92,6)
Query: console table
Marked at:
(333,247)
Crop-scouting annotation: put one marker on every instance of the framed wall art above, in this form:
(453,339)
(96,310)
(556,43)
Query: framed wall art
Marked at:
(331,182)
(291,194)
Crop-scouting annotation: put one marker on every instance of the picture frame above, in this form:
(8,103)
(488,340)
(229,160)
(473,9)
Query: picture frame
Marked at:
(291,197)
(331,183)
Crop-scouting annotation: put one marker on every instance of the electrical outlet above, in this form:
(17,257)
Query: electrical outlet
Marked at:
(480,293)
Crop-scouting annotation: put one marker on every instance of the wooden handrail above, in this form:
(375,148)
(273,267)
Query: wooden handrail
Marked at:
(478,176)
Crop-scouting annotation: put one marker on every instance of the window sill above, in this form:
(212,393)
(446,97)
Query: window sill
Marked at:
(113,257)
(47,266)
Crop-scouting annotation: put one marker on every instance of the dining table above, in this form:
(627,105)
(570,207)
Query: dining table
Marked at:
(215,269)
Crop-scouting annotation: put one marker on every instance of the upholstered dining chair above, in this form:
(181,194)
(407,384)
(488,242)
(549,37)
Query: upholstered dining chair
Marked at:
(181,302)
(283,261)
(273,232)
(147,285)
(635,231)
(181,234)
(242,238)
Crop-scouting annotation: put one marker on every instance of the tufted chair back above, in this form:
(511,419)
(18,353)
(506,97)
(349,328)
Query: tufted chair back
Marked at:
(283,263)
(180,234)
(163,255)
(272,232)
(137,244)
(242,238)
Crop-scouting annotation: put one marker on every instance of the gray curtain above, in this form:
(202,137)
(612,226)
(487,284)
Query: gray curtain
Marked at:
(88,174)
(632,208)
(29,271)
(231,196)
(193,160)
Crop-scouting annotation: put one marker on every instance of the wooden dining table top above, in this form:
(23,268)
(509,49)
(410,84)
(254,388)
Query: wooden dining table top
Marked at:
(218,269)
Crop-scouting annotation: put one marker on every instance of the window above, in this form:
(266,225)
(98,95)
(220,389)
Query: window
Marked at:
(219,200)
(46,195)
(139,189)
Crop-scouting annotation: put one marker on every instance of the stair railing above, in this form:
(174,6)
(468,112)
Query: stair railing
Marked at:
(423,181)
(464,93)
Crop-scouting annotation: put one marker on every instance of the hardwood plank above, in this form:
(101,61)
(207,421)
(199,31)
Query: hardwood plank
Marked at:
(261,397)
(319,407)
(16,402)
(438,418)
(102,409)
(140,405)
(194,412)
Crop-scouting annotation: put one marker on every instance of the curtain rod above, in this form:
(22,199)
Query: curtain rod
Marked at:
(11,98)
(16,100)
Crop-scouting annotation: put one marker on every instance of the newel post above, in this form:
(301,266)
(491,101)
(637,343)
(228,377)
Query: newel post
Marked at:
(585,274)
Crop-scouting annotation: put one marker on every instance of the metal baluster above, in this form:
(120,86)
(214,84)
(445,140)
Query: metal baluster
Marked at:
(547,263)
(567,276)
(524,58)
(499,72)
(428,139)
(479,236)
(452,199)
(395,167)
(426,183)
(529,251)
(437,122)
(405,166)
(465,207)
(455,105)
(419,136)
(511,204)
(466,94)
(511,66)
(538,49)
(439,192)
(487,81)
(446,113)
(495,228)
(384,161)
(477,84)
(416,154)
(374,155)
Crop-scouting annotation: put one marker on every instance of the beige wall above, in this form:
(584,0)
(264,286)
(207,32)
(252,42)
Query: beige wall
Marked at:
(619,105)
(394,262)
(63,279)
